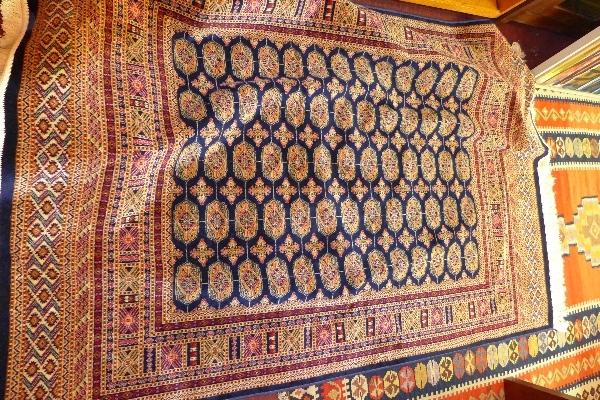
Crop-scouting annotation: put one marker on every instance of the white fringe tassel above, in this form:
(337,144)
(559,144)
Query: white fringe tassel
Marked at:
(553,248)
(15,15)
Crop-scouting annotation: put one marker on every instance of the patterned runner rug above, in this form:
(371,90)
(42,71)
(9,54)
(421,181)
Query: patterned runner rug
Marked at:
(222,198)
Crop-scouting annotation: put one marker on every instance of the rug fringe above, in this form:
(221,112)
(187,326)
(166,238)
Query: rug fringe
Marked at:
(553,247)
(15,15)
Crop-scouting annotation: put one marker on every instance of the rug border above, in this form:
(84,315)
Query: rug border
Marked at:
(7,169)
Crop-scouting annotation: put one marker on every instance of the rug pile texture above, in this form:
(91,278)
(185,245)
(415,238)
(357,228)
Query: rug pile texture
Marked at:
(228,198)
(565,359)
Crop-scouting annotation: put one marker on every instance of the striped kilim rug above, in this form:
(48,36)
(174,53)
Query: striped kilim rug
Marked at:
(225,198)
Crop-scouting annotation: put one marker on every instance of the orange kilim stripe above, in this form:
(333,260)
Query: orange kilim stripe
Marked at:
(566,114)
(577,365)
(490,391)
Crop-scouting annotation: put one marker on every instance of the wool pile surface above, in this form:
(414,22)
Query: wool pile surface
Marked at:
(566,359)
(228,198)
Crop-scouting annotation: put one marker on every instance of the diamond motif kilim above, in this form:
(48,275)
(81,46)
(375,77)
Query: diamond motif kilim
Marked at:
(223,198)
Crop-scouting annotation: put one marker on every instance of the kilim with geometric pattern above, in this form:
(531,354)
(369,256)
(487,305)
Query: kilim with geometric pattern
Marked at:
(562,360)
(570,124)
(226,198)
